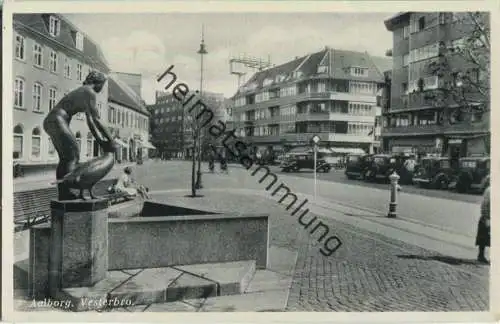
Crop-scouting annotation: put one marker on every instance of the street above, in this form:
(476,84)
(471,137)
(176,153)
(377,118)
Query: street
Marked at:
(422,261)
(339,176)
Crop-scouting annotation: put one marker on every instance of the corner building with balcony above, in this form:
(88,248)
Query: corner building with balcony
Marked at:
(331,93)
(414,122)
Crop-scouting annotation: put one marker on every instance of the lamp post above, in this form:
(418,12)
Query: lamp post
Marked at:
(202,51)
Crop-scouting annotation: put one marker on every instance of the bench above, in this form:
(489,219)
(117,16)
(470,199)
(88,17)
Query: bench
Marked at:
(32,207)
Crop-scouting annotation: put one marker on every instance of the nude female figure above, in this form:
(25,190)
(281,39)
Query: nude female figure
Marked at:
(57,122)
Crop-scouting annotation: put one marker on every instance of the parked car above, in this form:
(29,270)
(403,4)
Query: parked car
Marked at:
(357,165)
(473,174)
(434,172)
(297,161)
(380,168)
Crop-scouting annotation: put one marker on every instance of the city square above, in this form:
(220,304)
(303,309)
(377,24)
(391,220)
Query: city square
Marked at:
(345,177)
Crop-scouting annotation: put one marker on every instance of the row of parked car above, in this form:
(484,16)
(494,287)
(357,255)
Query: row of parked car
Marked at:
(466,174)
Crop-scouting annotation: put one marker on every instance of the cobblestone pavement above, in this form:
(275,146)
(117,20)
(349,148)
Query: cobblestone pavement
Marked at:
(369,272)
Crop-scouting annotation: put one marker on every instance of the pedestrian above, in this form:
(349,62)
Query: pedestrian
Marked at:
(483,227)
(128,186)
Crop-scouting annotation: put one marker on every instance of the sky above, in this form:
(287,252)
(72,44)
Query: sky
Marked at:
(149,43)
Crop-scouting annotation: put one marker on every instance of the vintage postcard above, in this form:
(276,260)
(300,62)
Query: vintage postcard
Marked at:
(296,161)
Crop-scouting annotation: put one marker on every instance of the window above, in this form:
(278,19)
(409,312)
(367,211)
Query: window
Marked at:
(110,114)
(52,98)
(37,55)
(79,72)
(321,87)
(36,140)
(51,148)
(20,50)
(37,97)
(79,41)
(406,31)
(405,59)
(118,118)
(357,71)
(53,61)
(18,142)
(431,83)
(54,26)
(78,136)
(421,23)
(425,52)
(90,143)
(404,87)
(459,16)
(67,68)
(19,93)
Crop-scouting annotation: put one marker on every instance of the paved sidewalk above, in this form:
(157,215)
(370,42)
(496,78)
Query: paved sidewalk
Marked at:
(370,272)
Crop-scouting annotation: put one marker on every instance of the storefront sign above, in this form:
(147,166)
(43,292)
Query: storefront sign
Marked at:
(455,141)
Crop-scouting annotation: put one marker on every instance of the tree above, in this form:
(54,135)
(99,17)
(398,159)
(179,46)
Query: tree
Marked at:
(464,68)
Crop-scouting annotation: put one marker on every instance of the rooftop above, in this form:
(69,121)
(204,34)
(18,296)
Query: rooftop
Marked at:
(396,19)
(120,93)
(39,25)
(338,62)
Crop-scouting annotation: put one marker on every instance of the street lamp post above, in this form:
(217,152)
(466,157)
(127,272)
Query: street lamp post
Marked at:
(202,51)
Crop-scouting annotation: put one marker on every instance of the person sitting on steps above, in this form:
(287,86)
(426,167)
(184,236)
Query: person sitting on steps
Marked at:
(127,185)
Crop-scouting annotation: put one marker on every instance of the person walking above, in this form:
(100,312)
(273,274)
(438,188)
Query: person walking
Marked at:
(483,236)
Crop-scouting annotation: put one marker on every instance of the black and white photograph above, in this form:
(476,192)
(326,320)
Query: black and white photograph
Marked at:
(248,160)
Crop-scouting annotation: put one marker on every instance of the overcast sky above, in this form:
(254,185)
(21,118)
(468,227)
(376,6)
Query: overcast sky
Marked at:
(159,40)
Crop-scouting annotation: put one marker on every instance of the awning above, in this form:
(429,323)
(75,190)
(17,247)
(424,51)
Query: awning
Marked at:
(148,145)
(347,150)
(120,142)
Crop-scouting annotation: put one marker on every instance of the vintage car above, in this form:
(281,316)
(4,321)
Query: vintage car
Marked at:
(473,174)
(356,165)
(296,161)
(433,172)
(383,165)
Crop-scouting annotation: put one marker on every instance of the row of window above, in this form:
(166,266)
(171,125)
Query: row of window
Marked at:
(369,88)
(168,119)
(127,119)
(359,129)
(360,109)
(37,91)
(36,143)
(423,22)
(54,59)
(162,110)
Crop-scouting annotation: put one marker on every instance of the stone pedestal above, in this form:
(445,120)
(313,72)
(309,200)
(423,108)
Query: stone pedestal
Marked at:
(79,244)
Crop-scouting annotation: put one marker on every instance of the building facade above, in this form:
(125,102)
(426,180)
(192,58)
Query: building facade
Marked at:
(172,126)
(51,58)
(415,121)
(331,93)
(128,121)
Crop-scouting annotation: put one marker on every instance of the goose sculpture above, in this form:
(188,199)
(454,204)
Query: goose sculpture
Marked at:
(87,174)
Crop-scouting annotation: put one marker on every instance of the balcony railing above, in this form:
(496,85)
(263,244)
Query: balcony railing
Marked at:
(463,127)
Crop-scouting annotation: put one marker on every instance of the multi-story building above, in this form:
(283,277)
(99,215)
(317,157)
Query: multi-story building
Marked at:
(415,121)
(172,126)
(128,120)
(52,57)
(330,93)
